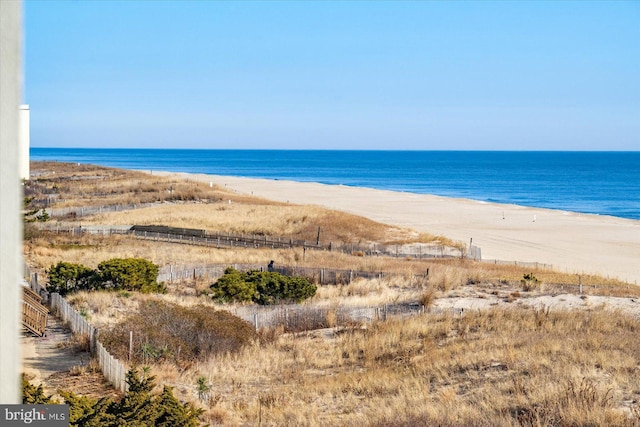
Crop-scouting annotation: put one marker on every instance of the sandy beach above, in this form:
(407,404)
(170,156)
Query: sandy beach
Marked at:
(570,242)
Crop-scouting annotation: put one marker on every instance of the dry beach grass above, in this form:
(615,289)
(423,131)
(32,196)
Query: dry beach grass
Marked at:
(508,365)
(521,354)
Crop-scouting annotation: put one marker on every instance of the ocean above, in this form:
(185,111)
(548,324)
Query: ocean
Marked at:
(602,183)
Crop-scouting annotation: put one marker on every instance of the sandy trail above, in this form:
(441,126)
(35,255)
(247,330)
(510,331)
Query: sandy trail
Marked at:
(571,242)
(43,357)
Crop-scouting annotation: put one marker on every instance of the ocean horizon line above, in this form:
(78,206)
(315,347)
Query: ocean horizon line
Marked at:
(334,149)
(590,182)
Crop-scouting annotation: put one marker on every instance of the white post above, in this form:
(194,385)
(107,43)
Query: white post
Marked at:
(11,195)
(580,283)
(23,141)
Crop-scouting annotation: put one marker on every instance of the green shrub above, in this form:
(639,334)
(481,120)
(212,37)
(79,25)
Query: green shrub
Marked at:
(233,286)
(32,213)
(32,395)
(529,282)
(66,277)
(261,287)
(274,288)
(129,274)
(132,274)
(139,407)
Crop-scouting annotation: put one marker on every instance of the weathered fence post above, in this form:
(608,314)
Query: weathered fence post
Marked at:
(580,283)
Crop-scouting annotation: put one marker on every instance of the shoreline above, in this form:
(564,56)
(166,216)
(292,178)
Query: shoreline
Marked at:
(569,241)
(579,181)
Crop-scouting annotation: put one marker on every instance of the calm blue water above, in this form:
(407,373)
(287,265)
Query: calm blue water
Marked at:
(605,183)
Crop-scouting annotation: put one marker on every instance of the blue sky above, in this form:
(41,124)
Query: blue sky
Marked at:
(334,74)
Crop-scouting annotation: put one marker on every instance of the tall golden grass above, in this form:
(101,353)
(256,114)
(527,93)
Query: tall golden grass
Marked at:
(497,367)
(444,275)
(202,206)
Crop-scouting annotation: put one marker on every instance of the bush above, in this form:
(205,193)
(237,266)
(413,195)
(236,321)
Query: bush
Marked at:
(66,277)
(138,407)
(132,274)
(32,395)
(261,287)
(30,232)
(274,288)
(170,332)
(129,274)
(33,214)
(529,282)
(233,286)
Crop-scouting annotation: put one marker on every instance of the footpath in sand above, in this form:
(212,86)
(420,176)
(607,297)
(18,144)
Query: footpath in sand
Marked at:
(569,241)
(55,363)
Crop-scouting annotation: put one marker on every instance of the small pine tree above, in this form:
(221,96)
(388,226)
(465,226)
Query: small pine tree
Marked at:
(43,217)
(136,408)
(33,395)
(529,282)
(88,412)
(172,413)
(203,388)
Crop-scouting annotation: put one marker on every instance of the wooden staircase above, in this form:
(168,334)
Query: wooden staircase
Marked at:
(34,314)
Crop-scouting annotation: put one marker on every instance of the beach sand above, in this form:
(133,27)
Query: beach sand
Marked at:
(569,241)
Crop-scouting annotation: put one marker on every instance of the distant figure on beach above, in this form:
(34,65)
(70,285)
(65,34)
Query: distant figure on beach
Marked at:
(270,267)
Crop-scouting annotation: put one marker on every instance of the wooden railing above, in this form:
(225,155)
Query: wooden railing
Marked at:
(34,314)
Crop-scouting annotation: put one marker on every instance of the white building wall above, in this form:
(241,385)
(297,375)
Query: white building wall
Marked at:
(10,200)
(24,141)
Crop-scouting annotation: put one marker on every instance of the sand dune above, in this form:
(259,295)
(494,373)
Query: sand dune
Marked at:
(571,242)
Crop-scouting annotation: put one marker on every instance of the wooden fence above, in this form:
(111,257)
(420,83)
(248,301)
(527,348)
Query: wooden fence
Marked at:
(535,265)
(417,251)
(297,318)
(219,240)
(216,239)
(226,240)
(317,275)
(79,212)
(113,369)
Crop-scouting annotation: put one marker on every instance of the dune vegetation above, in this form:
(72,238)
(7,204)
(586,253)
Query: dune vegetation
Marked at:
(505,365)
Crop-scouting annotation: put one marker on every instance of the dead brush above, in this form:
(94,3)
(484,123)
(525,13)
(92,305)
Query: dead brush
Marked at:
(217,417)
(332,317)
(270,335)
(447,278)
(78,343)
(573,402)
(428,298)
(585,395)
